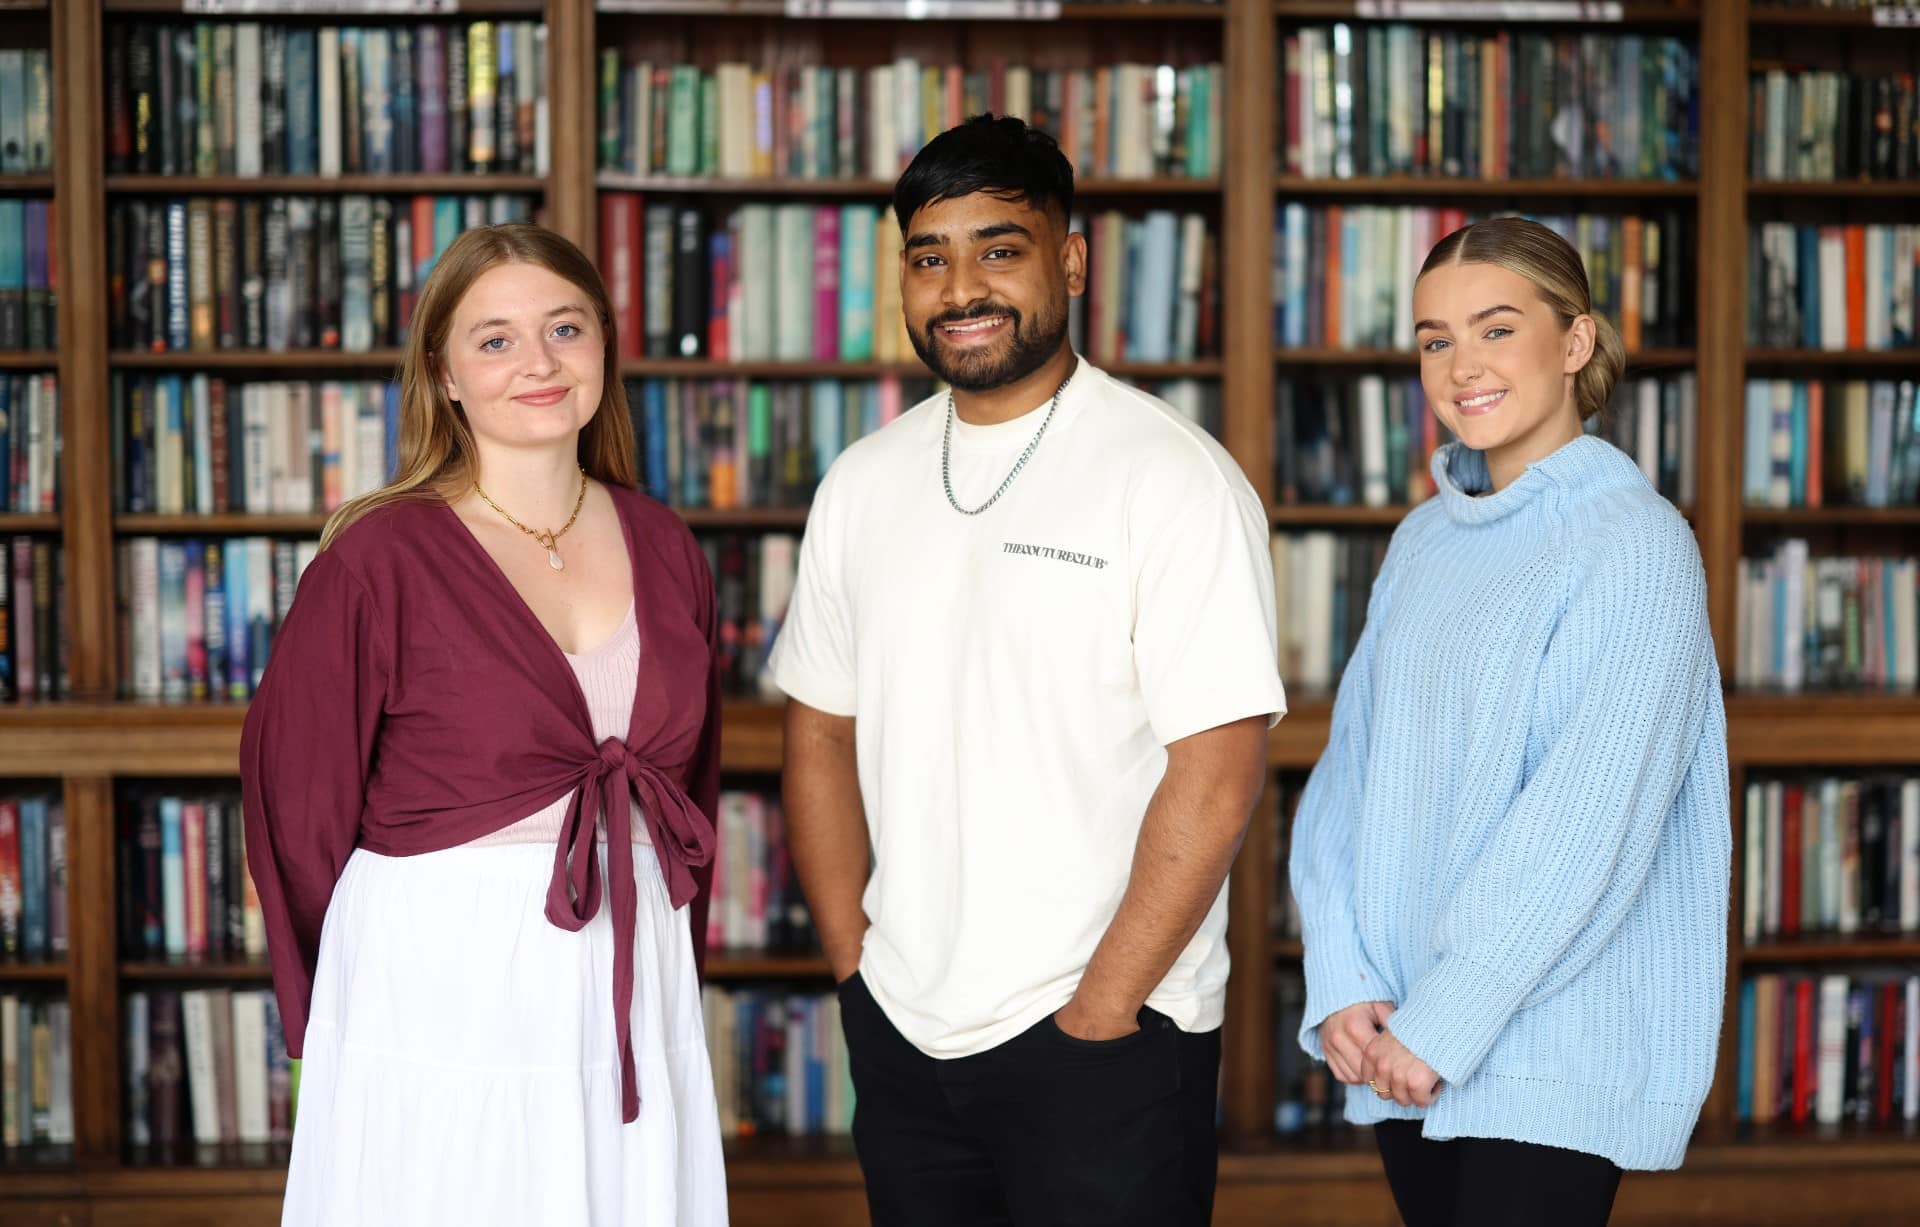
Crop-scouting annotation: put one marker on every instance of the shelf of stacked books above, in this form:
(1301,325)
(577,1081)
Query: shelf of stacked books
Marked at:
(1634,13)
(1826,1023)
(359,9)
(32,574)
(36,1024)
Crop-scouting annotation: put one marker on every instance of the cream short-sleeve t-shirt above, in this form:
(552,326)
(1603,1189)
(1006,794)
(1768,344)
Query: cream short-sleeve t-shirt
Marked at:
(1015,677)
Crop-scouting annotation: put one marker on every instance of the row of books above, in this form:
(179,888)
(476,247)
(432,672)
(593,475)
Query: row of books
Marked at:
(1804,124)
(29,273)
(793,282)
(1369,440)
(185,892)
(36,1071)
(737,443)
(757,902)
(1831,855)
(29,443)
(26,111)
(1854,442)
(1363,100)
(779,1062)
(33,876)
(1828,1049)
(1153,288)
(246,99)
(280,272)
(206,1065)
(726,443)
(1321,582)
(197,616)
(202,445)
(1828,623)
(33,623)
(753,577)
(1343,274)
(819,283)
(739,121)
(1362,440)
(1833,287)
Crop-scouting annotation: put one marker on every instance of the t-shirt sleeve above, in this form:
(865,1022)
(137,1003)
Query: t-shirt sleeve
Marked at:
(813,656)
(305,753)
(1205,641)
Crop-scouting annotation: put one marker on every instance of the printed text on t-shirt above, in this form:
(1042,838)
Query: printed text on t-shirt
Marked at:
(1047,551)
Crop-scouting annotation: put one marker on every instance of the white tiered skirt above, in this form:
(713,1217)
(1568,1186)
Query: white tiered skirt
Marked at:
(460,1063)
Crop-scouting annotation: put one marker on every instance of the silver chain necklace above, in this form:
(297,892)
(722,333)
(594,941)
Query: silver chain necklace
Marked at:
(946,452)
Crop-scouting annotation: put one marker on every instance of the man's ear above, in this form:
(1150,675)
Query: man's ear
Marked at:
(1073,257)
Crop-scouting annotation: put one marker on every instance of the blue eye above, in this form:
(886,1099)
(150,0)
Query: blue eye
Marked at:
(1433,346)
(493,345)
(567,331)
(1494,334)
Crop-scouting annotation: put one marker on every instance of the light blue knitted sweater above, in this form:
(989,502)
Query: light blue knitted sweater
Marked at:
(1518,833)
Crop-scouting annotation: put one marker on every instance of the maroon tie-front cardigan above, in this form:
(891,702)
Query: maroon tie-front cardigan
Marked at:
(412,702)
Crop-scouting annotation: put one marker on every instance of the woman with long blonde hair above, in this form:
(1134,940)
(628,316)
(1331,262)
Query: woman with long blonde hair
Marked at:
(479,777)
(1512,858)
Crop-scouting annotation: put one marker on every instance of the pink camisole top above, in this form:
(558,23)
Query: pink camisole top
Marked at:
(608,675)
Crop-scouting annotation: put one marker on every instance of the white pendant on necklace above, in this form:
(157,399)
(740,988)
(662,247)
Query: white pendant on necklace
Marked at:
(553,559)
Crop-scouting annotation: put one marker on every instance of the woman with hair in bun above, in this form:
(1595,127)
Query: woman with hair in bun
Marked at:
(1512,858)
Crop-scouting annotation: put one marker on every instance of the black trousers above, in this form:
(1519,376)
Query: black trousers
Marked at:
(1487,1182)
(1043,1131)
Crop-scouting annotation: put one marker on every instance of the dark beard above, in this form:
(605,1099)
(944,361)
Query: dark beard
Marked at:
(1029,350)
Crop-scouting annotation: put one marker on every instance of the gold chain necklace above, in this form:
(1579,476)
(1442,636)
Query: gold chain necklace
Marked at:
(547,539)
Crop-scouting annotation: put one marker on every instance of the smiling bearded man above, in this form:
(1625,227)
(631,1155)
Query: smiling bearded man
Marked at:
(1031,657)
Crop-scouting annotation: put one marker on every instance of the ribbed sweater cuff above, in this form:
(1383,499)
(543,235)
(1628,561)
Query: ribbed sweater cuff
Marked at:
(1453,1015)
(1338,975)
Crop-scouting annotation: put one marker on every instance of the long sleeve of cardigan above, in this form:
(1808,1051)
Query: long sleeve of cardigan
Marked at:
(1320,863)
(305,755)
(1632,663)
(703,775)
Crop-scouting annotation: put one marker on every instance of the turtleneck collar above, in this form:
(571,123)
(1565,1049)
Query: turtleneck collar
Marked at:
(1460,475)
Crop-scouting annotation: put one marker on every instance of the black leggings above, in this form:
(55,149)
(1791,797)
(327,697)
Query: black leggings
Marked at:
(1487,1182)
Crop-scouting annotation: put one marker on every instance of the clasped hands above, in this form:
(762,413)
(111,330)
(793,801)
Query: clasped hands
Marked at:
(1362,1052)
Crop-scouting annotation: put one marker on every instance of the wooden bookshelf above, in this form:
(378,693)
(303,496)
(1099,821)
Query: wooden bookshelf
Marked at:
(1850,189)
(14,973)
(1733,1175)
(873,189)
(1633,13)
(1822,517)
(1376,358)
(1334,515)
(1836,359)
(28,360)
(1448,188)
(322,185)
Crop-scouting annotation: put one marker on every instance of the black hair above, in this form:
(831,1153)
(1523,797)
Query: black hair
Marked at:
(995,154)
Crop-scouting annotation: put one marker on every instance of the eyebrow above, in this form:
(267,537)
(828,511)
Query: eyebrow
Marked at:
(1476,317)
(568,309)
(979,234)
